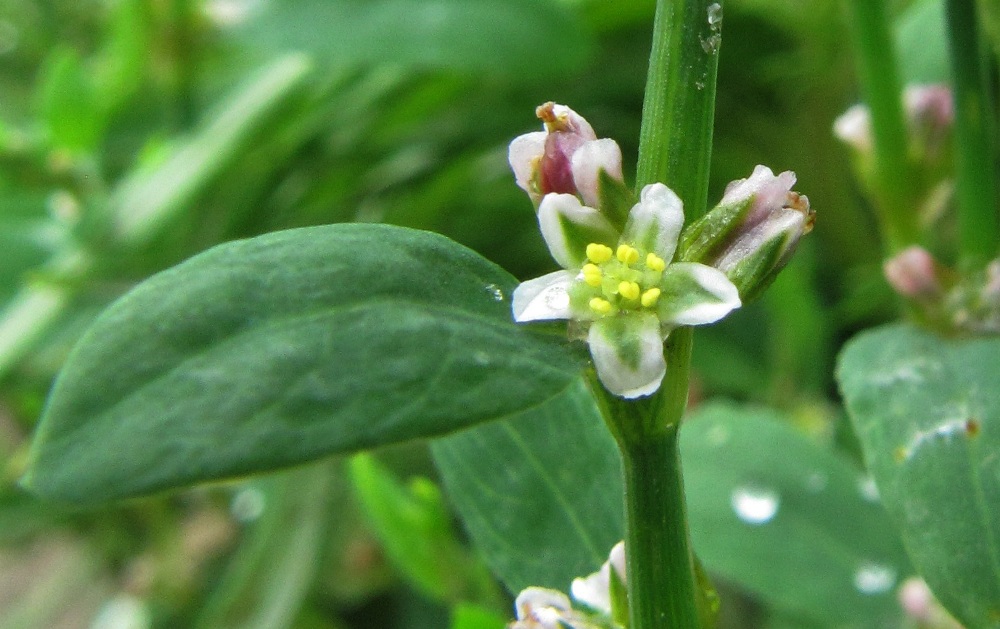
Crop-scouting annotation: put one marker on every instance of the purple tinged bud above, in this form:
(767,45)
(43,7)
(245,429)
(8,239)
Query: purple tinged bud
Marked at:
(565,158)
(913,273)
(753,231)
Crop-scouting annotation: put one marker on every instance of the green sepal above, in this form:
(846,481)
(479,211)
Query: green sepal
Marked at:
(619,598)
(616,199)
(708,237)
(754,273)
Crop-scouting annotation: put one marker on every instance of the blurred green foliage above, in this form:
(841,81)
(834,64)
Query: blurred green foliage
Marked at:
(136,133)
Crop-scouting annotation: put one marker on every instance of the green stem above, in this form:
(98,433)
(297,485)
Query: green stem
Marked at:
(675,143)
(662,586)
(675,147)
(662,591)
(883,93)
(975,157)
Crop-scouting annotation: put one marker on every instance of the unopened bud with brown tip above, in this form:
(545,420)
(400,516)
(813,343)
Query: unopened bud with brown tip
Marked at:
(753,231)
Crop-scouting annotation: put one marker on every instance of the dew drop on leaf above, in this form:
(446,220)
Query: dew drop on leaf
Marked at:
(755,505)
(868,489)
(874,578)
(495,291)
(247,504)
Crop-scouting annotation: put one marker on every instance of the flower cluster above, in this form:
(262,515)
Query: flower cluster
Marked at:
(601,599)
(930,117)
(625,285)
(945,298)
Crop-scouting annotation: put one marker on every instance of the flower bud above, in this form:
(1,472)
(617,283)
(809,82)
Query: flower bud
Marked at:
(913,273)
(753,231)
(566,158)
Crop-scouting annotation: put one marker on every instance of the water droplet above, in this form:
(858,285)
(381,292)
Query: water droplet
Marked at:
(247,504)
(755,505)
(557,298)
(868,489)
(122,612)
(494,290)
(718,435)
(711,44)
(714,15)
(874,578)
(816,481)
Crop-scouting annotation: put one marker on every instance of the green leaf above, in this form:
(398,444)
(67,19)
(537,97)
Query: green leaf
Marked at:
(539,493)
(415,529)
(927,412)
(272,351)
(467,35)
(272,572)
(541,497)
(787,519)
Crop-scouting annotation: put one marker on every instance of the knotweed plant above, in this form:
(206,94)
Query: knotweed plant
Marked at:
(554,406)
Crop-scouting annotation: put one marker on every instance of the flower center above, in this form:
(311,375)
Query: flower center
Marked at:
(619,280)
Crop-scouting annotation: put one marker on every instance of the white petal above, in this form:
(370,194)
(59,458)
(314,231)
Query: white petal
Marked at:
(594,590)
(533,600)
(695,294)
(655,222)
(588,161)
(523,155)
(568,227)
(628,354)
(617,560)
(854,128)
(543,298)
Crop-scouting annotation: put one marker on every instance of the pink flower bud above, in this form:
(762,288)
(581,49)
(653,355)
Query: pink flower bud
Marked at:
(913,273)
(565,158)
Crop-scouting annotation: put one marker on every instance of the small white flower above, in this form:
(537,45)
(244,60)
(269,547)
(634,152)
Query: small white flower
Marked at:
(621,284)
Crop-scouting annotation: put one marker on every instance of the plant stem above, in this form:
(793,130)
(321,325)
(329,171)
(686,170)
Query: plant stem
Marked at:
(662,586)
(975,156)
(883,94)
(675,143)
(662,594)
(675,147)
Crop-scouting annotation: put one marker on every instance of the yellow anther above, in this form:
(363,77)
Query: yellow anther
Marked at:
(655,262)
(649,297)
(627,254)
(628,290)
(600,306)
(599,253)
(592,274)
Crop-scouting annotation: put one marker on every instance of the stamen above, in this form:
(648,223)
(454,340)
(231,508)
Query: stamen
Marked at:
(628,290)
(599,253)
(650,296)
(600,306)
(655,262)
(592,274)
(627,254)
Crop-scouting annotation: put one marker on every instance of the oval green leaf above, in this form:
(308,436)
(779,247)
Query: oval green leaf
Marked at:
(541,497)
(268,352)
(927,412)
(540,494)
